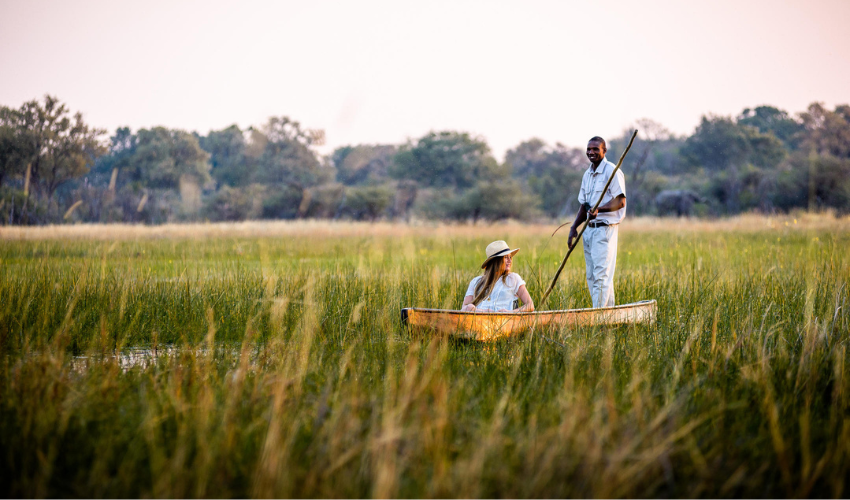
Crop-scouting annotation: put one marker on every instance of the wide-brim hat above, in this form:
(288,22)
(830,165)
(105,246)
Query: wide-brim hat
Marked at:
(497,249)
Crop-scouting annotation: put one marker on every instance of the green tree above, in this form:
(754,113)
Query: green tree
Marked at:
(771,120)
(76,150)
(153,175)
(286,165)
(766,151)
(285,156)
(368,202)
(286,201)
(235,203)
(18,208)
(57,146)
(655,149)
(230,165)
(15,150)
(364,164)
(535,158)
(325,200)
(727,150)
(446,159)
(553,173)
(720,143)
(117,162)
(489,200)
(811,181)
(162,156)
(112,188)
(827,132)
(654,154)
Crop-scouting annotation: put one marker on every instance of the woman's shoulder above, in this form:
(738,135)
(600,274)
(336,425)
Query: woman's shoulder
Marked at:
(470,290)
(515,279)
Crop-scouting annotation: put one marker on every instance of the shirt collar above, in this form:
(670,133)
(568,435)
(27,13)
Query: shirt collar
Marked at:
(601,166)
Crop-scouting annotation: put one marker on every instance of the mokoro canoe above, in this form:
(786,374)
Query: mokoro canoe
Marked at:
(493,326)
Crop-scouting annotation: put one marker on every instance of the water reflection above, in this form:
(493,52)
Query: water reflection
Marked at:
(133,357)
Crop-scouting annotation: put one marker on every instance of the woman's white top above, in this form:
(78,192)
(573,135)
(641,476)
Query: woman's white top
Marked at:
(502,296)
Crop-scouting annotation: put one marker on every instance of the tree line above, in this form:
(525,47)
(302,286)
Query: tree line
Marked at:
(56,168)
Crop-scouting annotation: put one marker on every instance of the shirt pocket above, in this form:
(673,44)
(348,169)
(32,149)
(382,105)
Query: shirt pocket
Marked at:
(597,193)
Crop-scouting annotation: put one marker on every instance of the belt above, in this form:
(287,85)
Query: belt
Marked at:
(596,224)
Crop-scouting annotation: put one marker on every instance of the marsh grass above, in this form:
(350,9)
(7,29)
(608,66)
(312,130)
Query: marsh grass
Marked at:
(274,364)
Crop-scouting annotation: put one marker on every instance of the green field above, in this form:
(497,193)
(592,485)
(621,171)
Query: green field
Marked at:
(257,360)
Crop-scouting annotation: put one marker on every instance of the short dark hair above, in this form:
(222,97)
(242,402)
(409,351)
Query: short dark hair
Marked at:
(596,138)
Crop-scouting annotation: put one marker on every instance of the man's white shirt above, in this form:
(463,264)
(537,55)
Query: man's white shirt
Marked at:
(592,184)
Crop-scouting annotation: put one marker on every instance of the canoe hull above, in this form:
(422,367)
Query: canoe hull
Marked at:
(493,326)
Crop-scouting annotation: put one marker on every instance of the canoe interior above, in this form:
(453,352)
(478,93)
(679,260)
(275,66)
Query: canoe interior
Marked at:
(493,326)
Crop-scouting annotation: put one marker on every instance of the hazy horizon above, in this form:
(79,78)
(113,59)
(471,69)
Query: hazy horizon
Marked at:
(383,72)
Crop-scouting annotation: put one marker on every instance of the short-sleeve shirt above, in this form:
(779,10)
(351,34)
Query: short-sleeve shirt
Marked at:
(592,184)
(503,295)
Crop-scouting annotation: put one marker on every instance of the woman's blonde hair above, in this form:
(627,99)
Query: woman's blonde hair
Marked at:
(494,270)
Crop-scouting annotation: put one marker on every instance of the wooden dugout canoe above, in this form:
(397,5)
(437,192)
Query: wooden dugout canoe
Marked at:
(485,326)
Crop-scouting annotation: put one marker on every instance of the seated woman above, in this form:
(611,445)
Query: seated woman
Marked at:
(498,288)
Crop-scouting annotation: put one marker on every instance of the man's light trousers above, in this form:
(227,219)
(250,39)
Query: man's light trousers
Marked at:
(600,257)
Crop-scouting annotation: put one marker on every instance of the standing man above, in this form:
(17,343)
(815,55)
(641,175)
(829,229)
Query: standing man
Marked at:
(600,237)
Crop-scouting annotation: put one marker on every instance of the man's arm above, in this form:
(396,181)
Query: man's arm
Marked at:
(618,185)
(580,217)
(612,206)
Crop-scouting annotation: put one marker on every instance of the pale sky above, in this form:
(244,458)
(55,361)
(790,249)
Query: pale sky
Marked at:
(371,72)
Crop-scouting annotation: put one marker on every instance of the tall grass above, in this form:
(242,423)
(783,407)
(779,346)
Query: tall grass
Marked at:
(275,365)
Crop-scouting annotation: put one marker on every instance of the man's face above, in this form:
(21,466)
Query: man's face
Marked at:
(595,151)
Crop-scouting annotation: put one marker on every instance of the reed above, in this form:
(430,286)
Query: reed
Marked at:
(269,361)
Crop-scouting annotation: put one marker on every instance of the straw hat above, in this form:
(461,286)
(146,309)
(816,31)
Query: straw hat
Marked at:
(498,249)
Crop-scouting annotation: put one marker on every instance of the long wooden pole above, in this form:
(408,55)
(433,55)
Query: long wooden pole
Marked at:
(584,226)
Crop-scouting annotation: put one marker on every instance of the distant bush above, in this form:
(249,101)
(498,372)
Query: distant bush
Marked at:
(235,204)
(325,201)
(368,202)
(16,208)
(488,201)
(283,202)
